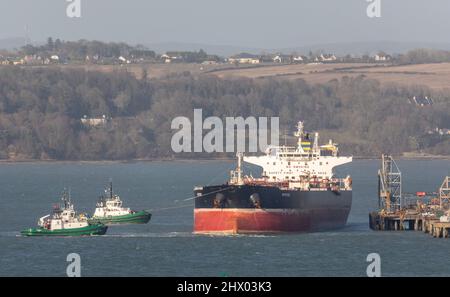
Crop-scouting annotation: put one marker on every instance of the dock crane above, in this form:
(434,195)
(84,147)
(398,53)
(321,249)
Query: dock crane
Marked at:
(389,185)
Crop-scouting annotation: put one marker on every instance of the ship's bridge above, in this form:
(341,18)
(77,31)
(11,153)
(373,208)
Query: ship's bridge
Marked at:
(281,163)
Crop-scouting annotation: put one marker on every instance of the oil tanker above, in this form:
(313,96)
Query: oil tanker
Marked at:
(297,192)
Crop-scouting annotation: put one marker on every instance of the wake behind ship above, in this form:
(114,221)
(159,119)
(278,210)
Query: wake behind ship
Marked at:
(297,192)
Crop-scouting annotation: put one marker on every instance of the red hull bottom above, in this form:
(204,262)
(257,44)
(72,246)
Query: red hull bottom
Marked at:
(233,221)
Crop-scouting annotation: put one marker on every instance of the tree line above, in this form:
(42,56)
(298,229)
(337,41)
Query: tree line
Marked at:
(423,56)
(41,111)
(79,50)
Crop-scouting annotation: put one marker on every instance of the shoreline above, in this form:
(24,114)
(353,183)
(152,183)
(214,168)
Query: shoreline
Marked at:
(8,161)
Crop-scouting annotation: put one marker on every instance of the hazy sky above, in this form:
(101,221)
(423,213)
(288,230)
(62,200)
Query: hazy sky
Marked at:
(251,23)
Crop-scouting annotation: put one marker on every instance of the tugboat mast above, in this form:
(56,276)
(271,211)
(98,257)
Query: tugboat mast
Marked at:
(66,198)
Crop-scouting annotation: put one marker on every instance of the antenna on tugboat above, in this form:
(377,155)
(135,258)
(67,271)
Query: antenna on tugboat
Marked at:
(65,197)
(110,188)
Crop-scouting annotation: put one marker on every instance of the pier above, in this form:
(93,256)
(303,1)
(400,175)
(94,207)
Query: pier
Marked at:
(398,211)
(395,222)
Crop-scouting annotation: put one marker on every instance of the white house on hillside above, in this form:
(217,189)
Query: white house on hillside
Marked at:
(244,58)
(122,59)
(327,58)
(382,57)
(94,122)
(298,59)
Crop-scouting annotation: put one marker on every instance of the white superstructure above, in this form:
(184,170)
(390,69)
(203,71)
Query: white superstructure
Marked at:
(63,218)
(306,160)
(110,205)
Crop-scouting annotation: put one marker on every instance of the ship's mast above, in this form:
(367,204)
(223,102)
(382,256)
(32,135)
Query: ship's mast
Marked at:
(299,133)
(316,143)
(239,169)
(236,175)
(66,198)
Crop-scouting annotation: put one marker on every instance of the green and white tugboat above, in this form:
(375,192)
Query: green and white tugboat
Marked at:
(109,211)
(65,222)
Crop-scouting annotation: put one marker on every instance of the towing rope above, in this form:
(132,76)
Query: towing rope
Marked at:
(187,199)
(195,197)
(166,208)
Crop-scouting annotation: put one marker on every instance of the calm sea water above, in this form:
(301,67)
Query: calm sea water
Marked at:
(166,246)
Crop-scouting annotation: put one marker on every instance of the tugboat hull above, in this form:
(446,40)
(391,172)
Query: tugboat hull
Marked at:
(94,229)
(231,209)
(140,217)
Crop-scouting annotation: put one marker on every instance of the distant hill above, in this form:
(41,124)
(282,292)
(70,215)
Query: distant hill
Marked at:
(42,108)
(339,48)
(435,76)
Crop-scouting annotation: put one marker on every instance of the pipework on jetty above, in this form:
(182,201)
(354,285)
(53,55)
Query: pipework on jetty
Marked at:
(399,211)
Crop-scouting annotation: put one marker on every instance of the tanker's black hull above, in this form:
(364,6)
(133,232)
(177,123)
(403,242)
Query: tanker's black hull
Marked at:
(261,209)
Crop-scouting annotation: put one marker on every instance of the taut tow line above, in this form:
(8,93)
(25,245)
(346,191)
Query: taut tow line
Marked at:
(195,197)
(187,199)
